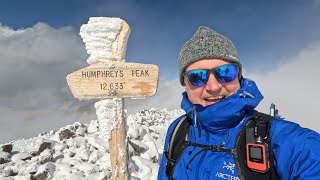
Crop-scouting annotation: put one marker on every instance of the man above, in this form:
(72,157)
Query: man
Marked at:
(219,103)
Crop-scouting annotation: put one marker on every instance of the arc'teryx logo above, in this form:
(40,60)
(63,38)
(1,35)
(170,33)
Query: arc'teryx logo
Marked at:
(229,166)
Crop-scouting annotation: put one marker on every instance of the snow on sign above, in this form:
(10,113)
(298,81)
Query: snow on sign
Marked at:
(114,79)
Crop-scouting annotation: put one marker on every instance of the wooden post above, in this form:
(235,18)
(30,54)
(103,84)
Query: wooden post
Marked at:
(110,78)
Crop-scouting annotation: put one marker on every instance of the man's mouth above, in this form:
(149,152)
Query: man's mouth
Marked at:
(215,99)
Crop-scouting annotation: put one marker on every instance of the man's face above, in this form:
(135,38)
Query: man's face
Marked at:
(213,91)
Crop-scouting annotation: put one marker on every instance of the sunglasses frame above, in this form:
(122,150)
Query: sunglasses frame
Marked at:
(213,71)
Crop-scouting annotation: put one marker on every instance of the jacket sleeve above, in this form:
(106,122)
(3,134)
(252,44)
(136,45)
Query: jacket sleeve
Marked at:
(162,169)
(296,150)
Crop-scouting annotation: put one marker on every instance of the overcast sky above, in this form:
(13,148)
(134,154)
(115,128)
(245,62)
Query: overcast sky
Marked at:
(278,44)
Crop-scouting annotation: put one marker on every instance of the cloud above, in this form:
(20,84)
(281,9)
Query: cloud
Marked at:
(40,44)
(34,96)
(39,56)
(294,87)
(40,110)
(169,94)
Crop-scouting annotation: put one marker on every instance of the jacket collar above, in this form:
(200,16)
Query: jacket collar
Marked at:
(227,113)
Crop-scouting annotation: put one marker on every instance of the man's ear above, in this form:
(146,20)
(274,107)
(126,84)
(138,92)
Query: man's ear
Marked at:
(184,82)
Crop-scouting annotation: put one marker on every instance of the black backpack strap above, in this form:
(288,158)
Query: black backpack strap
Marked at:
(177,144)
(258,126)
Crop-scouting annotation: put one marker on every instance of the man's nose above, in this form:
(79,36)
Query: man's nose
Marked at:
(213,84)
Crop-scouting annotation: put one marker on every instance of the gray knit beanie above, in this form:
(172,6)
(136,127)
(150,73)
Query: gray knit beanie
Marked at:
(204,44)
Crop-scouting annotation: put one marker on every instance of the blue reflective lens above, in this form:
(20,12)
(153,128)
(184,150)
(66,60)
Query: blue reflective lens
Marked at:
(198,77)
(223,74)
(226,73)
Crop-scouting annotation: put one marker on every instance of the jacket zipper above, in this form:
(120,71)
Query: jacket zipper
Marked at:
(195,116)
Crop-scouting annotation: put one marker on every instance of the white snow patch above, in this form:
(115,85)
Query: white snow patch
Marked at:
(99,35)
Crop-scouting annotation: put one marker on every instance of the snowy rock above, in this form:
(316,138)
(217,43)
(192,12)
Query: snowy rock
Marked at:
(147,170)
(45,171)
(75,176)
(77,142)
(65,134)
(81,129)
(4,157)
(95,155)
(31,168)
(59,147)
(152,154)
(43,146)
(45,156)
(39,146)
(21,157)
(6,172)
(93,126)
(74,162)
(98,142)
(138,146)
(6,148)
(87,168)
(83,154)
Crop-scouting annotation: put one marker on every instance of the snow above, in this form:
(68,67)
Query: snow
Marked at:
(83,153)
(109,111)
(99,36)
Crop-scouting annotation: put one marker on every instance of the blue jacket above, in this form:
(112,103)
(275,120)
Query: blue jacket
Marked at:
(296,150)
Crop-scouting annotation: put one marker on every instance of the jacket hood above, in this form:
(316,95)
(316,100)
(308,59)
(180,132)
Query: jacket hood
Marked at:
(227,113)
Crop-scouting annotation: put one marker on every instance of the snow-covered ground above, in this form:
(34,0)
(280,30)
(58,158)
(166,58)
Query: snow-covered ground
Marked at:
(79,151)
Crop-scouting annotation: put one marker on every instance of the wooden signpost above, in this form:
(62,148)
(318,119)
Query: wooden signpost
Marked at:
(110,78)
(114,79)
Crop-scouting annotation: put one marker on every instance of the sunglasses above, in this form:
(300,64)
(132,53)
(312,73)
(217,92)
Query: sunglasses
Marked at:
(225,73)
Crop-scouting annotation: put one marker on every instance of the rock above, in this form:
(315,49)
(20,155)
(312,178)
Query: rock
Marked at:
(77,143)
(59,147)
(75,176)
(6,148)
(78,125)
(45,171)
(87,168)
(19,177)
(74,162)
(4,157)
(95,155)
(30,168)
(45,156)
(7,172)
(21,157)
(43,146)
(99,175)
(41,176)
(83,154)
(98,142)
(57,155)
(93,126)
(81,131)
(131,151)
(37,147)
(66,134)
(138,146)
(27,169)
